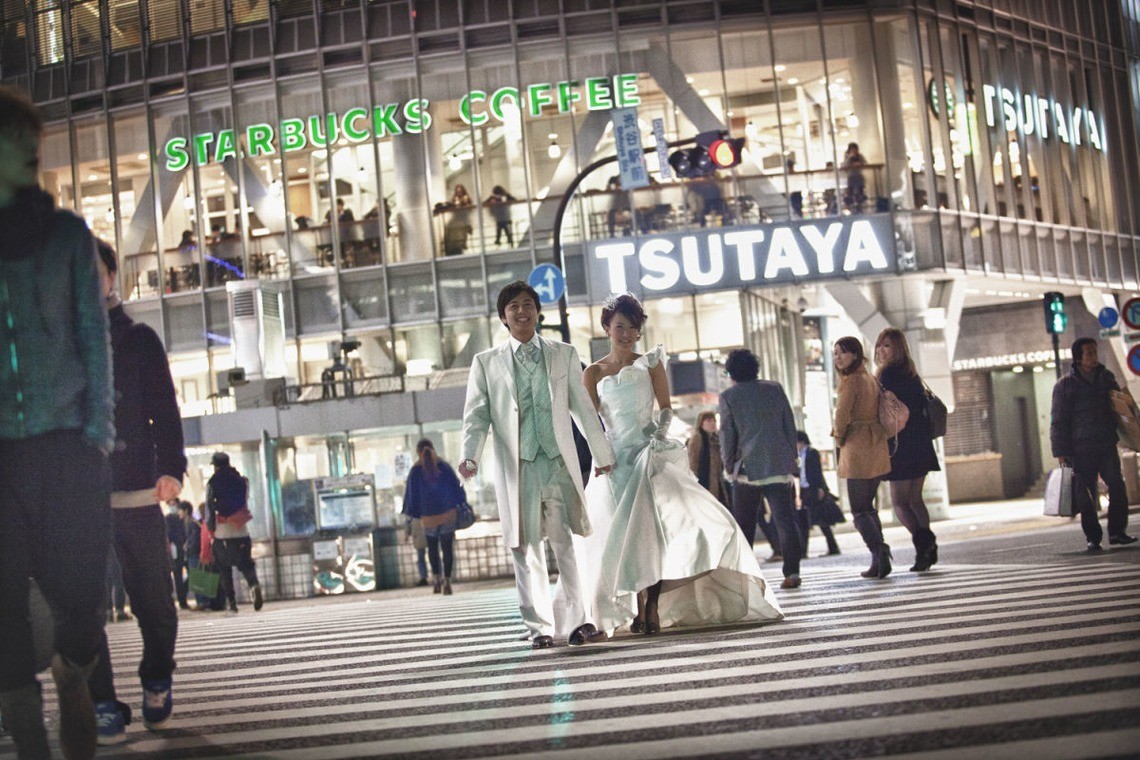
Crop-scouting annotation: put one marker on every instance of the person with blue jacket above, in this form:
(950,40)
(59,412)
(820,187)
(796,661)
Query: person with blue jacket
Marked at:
(56,432)
(431,493)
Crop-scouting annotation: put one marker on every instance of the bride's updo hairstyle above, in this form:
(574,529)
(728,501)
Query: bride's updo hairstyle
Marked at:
(628,306)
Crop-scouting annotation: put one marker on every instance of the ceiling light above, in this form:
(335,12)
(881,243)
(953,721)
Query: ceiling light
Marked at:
(780,67)
(793,80)
(143,157)
(554,151)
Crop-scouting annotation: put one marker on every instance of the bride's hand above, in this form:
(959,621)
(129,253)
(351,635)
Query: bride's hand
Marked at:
(603,470)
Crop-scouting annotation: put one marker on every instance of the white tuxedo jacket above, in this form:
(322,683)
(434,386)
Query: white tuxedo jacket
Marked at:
(493,406)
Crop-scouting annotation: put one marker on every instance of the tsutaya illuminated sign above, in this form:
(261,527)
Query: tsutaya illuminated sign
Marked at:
(409,117)
(733,257)
(1045,116)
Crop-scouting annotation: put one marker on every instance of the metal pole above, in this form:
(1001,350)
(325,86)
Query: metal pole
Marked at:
(556,248)
(1057,354)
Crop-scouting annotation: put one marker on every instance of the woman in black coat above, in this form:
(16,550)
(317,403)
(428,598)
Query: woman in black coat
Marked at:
(913,450)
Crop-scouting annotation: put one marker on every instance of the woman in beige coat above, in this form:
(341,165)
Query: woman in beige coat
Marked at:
(862,442)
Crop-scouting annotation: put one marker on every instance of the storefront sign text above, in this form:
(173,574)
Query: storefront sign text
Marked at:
(409,117)
(1003,360)
(732,257)
(1042,115)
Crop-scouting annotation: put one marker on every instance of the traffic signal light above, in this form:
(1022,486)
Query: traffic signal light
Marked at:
(1056,320)
(724,151)
(714,150)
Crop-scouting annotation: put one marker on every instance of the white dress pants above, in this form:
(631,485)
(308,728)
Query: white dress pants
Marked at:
(545,489)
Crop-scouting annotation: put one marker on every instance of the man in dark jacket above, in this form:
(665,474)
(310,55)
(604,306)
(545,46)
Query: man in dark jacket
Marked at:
(758,446)
(146,469)
(1083,435)
(56,431)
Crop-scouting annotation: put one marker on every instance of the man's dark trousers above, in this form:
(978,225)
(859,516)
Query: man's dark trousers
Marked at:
(745,506)
(140,541)
(1088,465)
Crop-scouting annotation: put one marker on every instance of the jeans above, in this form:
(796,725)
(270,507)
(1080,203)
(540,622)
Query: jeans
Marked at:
(228,554)
(141,545)
(1088,465)
(441,538)
(55,526)
(746,503)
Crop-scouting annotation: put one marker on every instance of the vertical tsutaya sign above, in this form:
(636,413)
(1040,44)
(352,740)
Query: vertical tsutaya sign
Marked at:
(735,257)
(1045,116)
(627,143)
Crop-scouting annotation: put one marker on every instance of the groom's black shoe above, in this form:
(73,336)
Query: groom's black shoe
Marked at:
(584,634)
(542,642)
(1121,539)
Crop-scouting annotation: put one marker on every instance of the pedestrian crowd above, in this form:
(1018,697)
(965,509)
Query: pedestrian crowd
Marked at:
(656,533)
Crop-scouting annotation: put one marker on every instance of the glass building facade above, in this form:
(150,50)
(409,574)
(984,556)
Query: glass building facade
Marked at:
(388,165)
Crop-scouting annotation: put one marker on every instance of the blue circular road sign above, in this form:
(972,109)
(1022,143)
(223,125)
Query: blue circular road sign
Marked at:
(1107,317)
(548,281)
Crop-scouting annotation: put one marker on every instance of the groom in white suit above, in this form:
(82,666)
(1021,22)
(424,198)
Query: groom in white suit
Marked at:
(526,391)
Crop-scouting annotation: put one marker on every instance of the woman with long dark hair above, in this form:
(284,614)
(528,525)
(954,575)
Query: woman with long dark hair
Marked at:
(862,441)
(431,494)
(914,453)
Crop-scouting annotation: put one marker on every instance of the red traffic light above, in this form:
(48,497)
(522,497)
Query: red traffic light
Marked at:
(725,152)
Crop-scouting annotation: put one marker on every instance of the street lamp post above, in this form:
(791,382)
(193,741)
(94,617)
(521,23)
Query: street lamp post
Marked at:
(556,248)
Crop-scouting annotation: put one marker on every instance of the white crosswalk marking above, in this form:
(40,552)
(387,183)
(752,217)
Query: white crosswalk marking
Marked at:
(1006,661)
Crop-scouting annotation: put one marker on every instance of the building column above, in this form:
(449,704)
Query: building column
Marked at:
(419,178)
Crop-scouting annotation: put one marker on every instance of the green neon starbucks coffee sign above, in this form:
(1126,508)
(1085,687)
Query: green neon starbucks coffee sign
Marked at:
(356,125)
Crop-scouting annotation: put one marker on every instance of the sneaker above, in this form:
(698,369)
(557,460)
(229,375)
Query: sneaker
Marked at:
(158,704)
(258,599)
(109,724)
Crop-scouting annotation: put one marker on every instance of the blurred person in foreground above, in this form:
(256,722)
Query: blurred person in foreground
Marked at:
(56,432)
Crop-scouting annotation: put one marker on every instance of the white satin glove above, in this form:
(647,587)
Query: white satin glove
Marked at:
(661,429)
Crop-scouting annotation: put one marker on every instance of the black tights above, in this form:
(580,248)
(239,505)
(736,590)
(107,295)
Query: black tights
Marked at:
(909,506)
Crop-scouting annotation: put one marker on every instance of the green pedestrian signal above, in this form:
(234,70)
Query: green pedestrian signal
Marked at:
(1056,320)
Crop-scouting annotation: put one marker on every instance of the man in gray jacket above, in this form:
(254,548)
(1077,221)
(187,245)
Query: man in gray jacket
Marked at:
(56,412)
(758,446)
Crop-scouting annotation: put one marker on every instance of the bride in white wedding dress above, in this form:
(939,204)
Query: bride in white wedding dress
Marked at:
(656,530)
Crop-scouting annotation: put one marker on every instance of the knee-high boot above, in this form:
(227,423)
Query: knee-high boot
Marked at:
(23,711)
(871,529)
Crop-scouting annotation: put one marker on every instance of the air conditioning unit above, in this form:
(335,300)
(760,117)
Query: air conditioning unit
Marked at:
(257,328)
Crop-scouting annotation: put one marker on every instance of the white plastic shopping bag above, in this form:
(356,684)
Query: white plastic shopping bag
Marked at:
(1059,492)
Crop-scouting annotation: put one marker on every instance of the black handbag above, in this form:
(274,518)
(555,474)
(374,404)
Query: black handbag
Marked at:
(936,412)
(464,515)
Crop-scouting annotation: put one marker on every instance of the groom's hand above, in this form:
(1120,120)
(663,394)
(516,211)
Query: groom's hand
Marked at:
(468,468)
(603,470)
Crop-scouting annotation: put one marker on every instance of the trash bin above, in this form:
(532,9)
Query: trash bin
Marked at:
(387,548)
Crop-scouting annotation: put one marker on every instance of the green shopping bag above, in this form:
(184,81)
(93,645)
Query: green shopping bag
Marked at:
(203,582)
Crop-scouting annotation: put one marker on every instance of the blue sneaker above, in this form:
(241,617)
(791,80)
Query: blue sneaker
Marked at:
(158,704)
(109,724)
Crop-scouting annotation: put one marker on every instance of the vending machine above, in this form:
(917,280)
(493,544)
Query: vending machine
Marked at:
(343,557)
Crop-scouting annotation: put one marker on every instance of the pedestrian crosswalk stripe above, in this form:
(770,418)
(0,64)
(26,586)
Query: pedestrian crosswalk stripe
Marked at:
(992,660)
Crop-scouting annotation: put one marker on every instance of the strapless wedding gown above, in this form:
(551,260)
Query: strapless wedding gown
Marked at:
(652,521)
